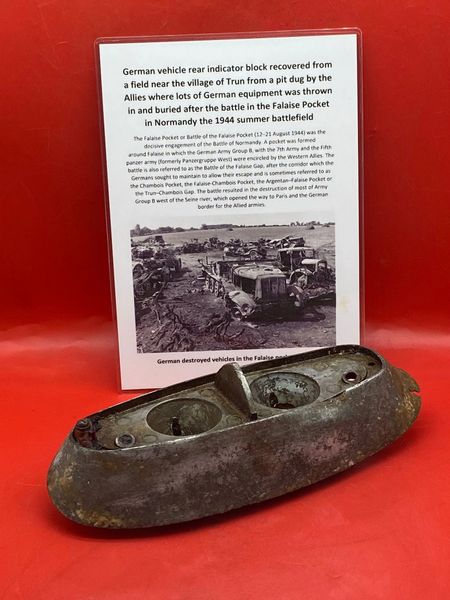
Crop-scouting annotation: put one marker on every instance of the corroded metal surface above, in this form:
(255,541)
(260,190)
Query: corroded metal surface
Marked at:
(221,442)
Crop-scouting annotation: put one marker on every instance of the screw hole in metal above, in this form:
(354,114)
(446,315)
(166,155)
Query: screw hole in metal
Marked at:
(125,440)
(350,377)
(83,424)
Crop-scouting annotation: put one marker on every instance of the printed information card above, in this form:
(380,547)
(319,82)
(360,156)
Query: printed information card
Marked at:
(232,183)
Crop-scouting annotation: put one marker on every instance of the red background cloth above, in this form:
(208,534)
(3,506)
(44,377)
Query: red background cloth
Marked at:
(379,531)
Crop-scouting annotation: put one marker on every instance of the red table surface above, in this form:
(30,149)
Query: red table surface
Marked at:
(378,531)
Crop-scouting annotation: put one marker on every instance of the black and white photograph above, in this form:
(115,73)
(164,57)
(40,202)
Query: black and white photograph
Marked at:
(242,282)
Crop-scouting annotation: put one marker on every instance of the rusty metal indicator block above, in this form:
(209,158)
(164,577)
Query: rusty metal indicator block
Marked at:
(232,439)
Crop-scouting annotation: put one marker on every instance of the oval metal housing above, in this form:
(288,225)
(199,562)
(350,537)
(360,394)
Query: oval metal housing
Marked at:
(228,440)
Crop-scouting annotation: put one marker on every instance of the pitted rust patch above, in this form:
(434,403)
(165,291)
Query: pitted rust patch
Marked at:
(99,520)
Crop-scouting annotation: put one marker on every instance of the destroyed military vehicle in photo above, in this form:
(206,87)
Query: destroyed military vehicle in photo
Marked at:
(269,286)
